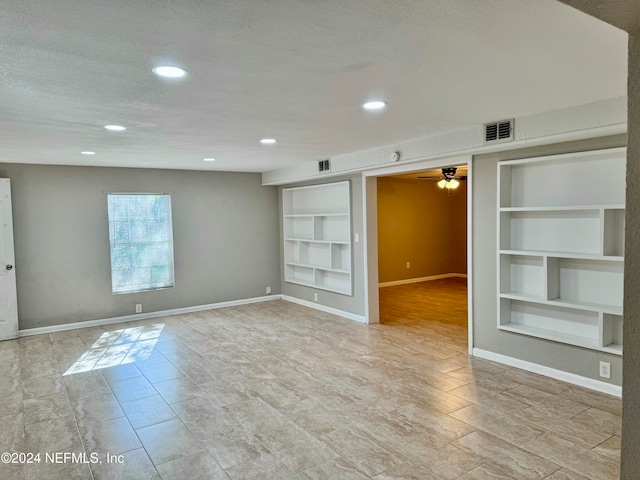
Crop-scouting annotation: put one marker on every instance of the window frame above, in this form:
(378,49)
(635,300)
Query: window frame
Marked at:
(169,241)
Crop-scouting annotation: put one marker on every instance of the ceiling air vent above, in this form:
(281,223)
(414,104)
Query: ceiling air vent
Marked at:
(323,165)
(496,132)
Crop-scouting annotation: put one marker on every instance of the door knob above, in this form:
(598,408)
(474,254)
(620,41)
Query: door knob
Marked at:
(9,267)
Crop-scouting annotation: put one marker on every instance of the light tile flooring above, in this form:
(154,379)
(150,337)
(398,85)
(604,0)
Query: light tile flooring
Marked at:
(278,391)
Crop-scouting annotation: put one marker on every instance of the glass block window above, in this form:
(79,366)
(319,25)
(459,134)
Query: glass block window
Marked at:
(141,241)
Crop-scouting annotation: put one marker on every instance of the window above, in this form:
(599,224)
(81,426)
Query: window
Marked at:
(141,241)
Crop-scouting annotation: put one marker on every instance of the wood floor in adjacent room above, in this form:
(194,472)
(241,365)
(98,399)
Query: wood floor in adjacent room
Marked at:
(275,390)
(436,309)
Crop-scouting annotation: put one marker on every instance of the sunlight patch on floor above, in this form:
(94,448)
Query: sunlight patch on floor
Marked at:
(118,347)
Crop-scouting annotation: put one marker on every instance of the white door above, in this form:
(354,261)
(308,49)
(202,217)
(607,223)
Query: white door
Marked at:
(8,295)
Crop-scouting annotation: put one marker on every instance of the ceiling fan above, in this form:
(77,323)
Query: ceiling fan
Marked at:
(449,179)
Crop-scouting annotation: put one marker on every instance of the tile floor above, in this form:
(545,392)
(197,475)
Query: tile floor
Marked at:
(278,391)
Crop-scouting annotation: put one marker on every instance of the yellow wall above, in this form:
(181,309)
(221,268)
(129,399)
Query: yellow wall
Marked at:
(419,223)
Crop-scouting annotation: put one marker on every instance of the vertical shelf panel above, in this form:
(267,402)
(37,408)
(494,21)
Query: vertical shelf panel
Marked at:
(504,186)
(504,312)
(553,278)
(612,331)
(504,233)
(613,232)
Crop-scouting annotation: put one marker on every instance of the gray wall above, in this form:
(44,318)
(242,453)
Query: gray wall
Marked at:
(571,359)
(354,303)
(225,230)
(631,391)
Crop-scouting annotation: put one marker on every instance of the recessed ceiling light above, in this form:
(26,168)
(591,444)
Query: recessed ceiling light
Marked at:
(375,105)
(268,141)
(167,71)
(209,159)
(87,152)
(115,128)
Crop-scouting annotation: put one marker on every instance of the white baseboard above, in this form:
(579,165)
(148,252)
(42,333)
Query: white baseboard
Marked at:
(324,308)
(550,372)
(421,279)
(143,316)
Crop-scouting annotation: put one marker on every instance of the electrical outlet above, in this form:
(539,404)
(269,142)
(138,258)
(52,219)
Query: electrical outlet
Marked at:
(605,370)
(268,290)
(408,264)
(315,297)
(138,308)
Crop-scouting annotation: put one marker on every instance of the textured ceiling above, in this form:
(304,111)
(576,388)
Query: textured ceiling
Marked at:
(624,14)
(296,70)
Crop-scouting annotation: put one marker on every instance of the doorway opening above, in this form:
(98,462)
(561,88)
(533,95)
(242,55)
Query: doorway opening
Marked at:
(418,249)
(422,253)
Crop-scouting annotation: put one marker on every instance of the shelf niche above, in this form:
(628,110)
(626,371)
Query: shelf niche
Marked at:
(561,246)
(317,236)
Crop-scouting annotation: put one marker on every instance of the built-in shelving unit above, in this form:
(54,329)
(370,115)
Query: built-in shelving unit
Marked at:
(317,236)
(561,247)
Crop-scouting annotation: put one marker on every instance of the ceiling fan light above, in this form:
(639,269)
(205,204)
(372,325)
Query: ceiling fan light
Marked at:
(453,183)
(442,183)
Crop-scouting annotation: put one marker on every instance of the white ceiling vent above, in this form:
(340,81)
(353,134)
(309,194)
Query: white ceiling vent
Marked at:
(498,132)
(324,166)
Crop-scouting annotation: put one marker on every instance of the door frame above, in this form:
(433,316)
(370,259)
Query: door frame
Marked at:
(8,291)
(370,231)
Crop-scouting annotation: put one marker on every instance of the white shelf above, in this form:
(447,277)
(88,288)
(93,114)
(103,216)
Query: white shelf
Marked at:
(523,297)
(560,248)
(612,258)
(616,349)
(335,242)
(564,208)
(549,335)
(303,215)
(562,338)
(318,267)
(317,234)
(587,306)
(590,306)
